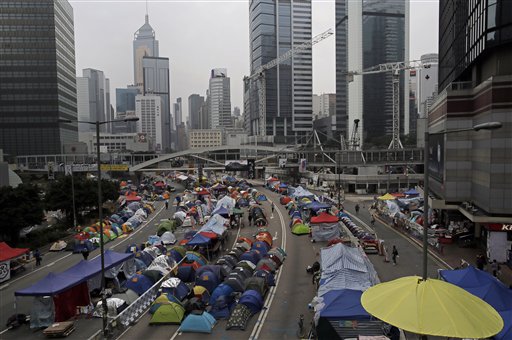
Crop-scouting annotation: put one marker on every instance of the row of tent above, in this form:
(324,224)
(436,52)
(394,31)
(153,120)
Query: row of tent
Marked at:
(201,294)
(367,240)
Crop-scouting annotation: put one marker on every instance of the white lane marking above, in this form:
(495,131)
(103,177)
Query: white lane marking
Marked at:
(5,330)
(272,293)
(50,264)
(275,237)
(4,286)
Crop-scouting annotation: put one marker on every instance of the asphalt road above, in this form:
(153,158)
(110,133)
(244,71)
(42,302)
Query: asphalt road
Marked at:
(60,261)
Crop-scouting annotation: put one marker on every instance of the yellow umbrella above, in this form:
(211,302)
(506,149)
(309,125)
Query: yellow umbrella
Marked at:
(431,307)
(386,197)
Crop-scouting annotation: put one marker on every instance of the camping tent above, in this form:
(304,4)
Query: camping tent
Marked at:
(58,246)
(166,311)
(198,323)
(315,206)
(325,231)
(166,225)
(253,300)
(176,287)
(324,218)
(300,229)
(386,197)
(207,279)
(139,283)
(168,238)
(239,317)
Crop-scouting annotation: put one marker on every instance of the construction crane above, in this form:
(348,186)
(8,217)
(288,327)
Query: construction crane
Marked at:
(259,75)
(354,139)
(395,68)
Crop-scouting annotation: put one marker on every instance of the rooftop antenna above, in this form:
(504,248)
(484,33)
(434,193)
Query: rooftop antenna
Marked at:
(147,13)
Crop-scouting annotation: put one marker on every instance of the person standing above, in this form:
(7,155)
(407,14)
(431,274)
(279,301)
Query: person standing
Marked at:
(357,208)
(166,204)
(480,261)
(495,267)
(272,207)
(394,255)
(37,256)
(250,219)
(85,253)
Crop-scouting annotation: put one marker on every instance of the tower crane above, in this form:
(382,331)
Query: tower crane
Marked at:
(259,75)
(395,67)
(354,139)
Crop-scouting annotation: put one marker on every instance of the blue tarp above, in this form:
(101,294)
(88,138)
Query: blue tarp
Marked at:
(344,304)
(506,332)
(253,300)
(300,192)
(411,192)
(215,224)
(199,240)
(195,323)
(223,211)
(56,283)
(468,277)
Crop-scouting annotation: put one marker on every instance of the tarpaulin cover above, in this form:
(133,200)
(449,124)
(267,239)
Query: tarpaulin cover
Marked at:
(343,304)
(324,217)
(199,240)
(54,283)
(412,192)
(7,253)
(223,211)
(315,205)
(468,277)
(325,231)
(215,224)
(431,307)
(67,301)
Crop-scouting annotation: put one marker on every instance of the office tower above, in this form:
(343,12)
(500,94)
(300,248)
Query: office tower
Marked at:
(220,99)
(144,45)
(475,49)
(178,112)
(93,97)
(236,111)
(125,107)
(427,82)
(275,28)
(149,109)
(369,33)
(204,113)
(195,103)
(156,82)
(37,77)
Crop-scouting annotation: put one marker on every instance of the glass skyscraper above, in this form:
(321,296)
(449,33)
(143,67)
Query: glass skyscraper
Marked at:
(144,45)
(37,76)
(275,28)
(369,33)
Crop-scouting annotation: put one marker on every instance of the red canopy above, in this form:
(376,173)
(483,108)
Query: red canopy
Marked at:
(324,218)
(132,196)
(208,234)
(7,253)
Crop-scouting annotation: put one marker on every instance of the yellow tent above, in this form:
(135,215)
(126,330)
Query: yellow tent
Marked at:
(432,307)
(386,197)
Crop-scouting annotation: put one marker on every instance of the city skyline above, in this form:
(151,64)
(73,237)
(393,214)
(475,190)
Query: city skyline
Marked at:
(189,66)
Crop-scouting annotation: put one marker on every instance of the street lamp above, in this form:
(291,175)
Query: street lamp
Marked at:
(100,204)
(483,126)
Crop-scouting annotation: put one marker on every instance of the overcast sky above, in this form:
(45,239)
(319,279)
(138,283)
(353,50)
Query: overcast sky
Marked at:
(197,36)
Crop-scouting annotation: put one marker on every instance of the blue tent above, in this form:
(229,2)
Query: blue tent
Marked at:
(140,265)
(262,197)
(411,192)
(208,280)
(283,185)
(198,323)
(139,283)
(186,273)
(221,290)
(175,287)
(267,275)
(468,277)
(252,256)
(199,240)
(222,211)
(56,283)
(215,224)
(344,304)
(218,270)
(144,257)
(496,295)
(315,206)
(261,246)
(253,300)
(222,307)
(506,332)
(83,245)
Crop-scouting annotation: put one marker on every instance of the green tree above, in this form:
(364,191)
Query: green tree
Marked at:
(20,207)
(59,195)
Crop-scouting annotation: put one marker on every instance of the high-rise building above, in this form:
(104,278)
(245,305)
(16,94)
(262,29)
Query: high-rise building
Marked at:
(475,73)
(178,112)
(427,82)
(93,98)
(368,33)
(236,111)
(157,82)
(148,108)
(324,105)
(37,76)
(144,45)
(195,103)
(275,28)
(220,99)
(125,107)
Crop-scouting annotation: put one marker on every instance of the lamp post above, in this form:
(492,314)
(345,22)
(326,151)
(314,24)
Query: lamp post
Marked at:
(100,204)
(483,126)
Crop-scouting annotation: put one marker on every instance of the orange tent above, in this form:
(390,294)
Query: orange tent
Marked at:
(265,236)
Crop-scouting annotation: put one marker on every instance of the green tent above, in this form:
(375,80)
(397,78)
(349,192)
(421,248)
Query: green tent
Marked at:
(300,229)
(167,313)
(167,225)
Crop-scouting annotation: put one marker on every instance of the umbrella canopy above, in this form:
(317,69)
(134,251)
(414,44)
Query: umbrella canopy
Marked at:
(431,307)
(386,197)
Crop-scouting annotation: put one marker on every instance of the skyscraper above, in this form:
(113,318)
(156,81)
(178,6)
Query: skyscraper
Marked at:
(275,28)
(93,96)
(195,102)
(178,112)
(368,33)
(156,82)
(220,99)
(144,45)
(148,108)
(37,76)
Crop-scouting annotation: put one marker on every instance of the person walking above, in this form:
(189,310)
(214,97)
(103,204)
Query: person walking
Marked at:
(372,221)
(480,261)
(394,255)
(357,208)
(37,256)
(272,207)
(85,253)
(250,219)
(166,204)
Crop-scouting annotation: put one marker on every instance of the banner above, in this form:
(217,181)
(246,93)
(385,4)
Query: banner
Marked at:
(5,271)
(302,165)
